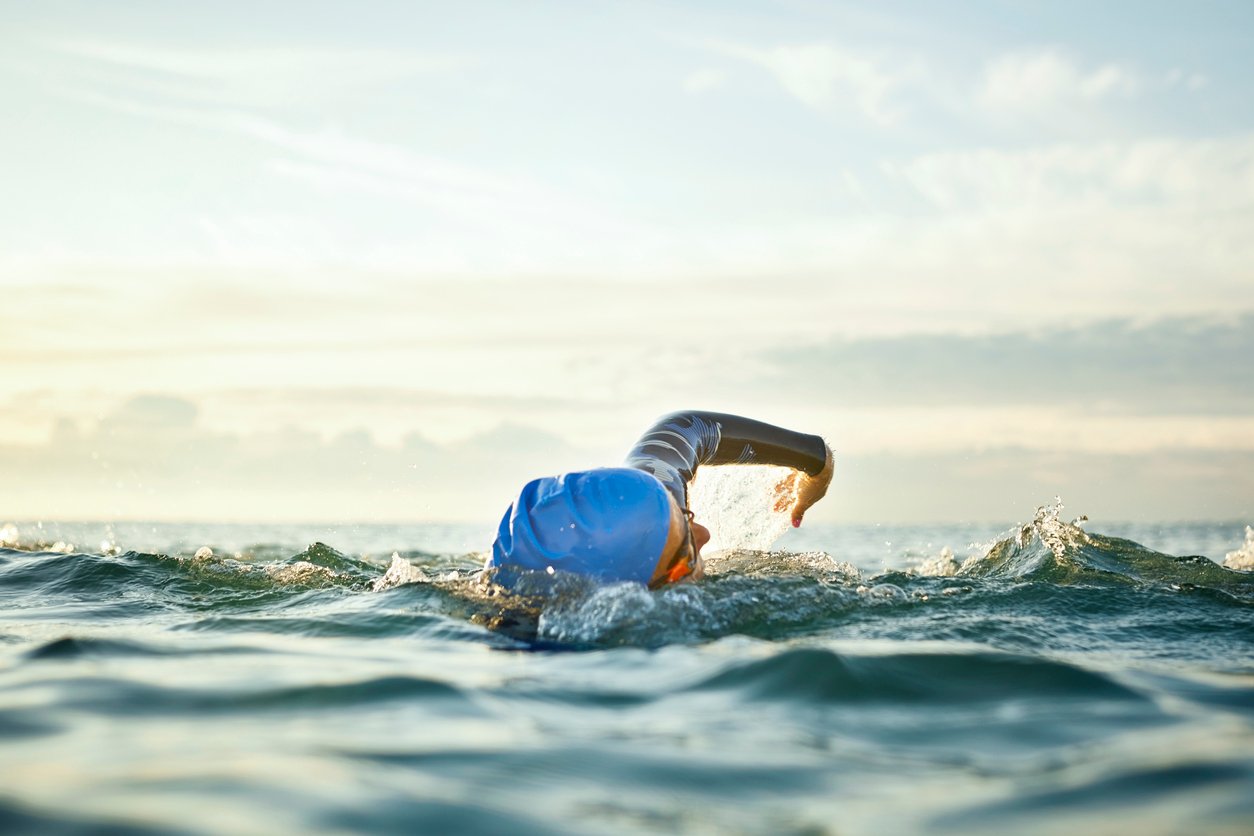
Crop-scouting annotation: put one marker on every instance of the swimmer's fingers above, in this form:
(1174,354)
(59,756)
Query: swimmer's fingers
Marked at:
(810,489)
(785,493)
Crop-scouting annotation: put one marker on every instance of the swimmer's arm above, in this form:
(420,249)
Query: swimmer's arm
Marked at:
(677,444)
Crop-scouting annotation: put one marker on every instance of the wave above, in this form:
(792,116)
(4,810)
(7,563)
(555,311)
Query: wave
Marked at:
(1036,587)
(55,571)
(1199,790)
(120,697)
(821,675)
(1052,551)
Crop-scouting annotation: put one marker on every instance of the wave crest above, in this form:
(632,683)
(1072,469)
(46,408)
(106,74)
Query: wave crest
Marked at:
(1047,549)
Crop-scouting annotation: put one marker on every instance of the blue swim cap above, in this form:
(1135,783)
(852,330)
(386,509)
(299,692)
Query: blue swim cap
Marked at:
(608,524)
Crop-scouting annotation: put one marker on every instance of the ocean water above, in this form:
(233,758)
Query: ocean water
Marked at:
(1031,677)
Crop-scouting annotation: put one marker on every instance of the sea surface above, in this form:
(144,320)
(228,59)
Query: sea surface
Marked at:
(1038,676)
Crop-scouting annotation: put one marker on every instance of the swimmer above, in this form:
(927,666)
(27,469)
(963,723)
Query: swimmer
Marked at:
(632,523)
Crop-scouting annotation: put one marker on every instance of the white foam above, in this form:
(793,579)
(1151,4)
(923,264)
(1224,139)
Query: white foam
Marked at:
(300,572)
(943,565)
(1243,558)
(399,573)
(617,607)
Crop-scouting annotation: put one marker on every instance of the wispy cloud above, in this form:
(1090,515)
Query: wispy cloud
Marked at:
(1191,366)
(1191,81)
(478,220)
(333,157)
(151,458)
(1214,174)
(476,217)
(1054,89)
(1006,483)
(826,77)
(338,148)
(1040,78)
(262,76)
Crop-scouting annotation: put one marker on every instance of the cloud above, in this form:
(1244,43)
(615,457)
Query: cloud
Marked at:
(393,412)
(1180,366)
(263,76)
(333,158)
(1191,81)
(335,147)
(151,414)
(1037,79)
(1005,484)
(150,459)
(1209,174)
(825,77)
(461,217)
(469,219)
(886,86)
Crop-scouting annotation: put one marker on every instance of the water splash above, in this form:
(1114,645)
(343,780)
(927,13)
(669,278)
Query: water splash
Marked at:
(1048,526)
(737,503)
(609,610)
(943,565)
(765,564)
(770,594)
(302,573)
(1243,558)
(400,572)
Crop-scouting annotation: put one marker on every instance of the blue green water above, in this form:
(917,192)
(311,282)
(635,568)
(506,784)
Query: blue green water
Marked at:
(1041,678)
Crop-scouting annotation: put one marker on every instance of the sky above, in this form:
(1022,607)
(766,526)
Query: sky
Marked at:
(388,260)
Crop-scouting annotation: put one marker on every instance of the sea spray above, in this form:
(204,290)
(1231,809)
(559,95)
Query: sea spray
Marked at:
(738,504)
(1243,558)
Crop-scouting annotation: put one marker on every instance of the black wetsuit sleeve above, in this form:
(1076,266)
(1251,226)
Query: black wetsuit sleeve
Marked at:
(673,447)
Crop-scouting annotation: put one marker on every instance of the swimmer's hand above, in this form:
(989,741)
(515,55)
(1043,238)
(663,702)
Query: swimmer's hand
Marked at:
(800,490)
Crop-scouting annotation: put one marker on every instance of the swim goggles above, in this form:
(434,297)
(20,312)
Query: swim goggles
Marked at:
(687,564)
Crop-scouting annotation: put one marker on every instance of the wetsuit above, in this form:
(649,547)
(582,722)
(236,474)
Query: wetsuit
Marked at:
(673,448)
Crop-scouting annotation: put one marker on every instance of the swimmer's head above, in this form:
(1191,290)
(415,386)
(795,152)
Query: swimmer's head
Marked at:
(609,525)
